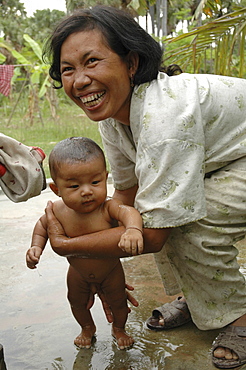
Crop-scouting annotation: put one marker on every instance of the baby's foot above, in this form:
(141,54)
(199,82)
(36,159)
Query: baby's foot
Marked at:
(122,338)
(85,338)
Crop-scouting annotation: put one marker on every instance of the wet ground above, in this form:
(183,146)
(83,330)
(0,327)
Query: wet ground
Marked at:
(37,328)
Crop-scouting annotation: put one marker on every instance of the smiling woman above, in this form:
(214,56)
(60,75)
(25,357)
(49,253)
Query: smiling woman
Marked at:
(176,147)
(95,77)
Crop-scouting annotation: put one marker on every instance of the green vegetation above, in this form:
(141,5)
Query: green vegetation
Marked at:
(44,131)
(215,47)
(36,114)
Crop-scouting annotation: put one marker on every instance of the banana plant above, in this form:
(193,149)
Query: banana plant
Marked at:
(38,71)
(2,58)
(36,77)
(215,47)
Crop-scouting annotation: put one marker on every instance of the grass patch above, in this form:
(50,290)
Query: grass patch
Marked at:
(40,129)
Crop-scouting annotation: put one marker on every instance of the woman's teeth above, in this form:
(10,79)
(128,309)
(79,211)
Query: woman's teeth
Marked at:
(93,99)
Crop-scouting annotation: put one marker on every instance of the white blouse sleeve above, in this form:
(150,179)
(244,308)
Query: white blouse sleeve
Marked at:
(170,155)
(120,152)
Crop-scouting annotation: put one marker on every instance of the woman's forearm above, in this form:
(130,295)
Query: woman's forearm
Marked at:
(102,244)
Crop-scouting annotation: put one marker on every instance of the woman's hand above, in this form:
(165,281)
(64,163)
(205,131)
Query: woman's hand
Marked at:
(95,289)
(55,230)
(130,297)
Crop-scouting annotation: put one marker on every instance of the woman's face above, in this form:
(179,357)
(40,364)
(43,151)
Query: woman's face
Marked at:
(95,77)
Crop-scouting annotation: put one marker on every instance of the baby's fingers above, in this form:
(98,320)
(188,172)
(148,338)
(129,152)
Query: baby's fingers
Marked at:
(31,261)
(124,240)
(140,246)
(131,247)
(31,265)
(31,255)
(124,245)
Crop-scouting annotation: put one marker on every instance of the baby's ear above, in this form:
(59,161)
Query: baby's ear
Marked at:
(54,188)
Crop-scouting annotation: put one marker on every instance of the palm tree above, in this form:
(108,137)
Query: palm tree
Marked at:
(215,47)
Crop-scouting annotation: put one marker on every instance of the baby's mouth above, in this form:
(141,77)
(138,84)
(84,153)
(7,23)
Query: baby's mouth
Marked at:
(92,99)
(86,202)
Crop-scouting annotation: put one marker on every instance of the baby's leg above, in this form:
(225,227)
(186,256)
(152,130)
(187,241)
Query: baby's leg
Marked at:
(78,295)
(114,289)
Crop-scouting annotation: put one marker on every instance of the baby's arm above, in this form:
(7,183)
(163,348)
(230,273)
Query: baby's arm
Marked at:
(39,239)
(132,239)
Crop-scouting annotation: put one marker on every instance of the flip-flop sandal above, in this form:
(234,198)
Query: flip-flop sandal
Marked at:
(169,316)
(234,338)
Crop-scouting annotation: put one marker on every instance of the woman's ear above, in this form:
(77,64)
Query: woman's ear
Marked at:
(54,188)
(133,61)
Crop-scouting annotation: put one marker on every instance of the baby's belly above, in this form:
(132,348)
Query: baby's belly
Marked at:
(93,270)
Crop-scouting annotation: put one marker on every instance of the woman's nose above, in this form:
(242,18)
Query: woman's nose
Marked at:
(81,79)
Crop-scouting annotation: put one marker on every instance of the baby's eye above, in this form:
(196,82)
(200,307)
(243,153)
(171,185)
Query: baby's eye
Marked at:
(95,182)
(74,186)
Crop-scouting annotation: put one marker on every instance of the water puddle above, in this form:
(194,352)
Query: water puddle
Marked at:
(37,328)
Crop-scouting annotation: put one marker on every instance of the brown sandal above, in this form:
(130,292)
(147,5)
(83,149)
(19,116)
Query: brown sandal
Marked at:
(172,315)
(234,338)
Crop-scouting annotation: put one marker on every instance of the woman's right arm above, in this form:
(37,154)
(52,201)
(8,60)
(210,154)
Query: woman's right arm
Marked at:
(102,244)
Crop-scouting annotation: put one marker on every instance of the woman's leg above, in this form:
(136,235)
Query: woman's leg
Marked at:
(205,259)
(204,256)
(114,289)
(78,295)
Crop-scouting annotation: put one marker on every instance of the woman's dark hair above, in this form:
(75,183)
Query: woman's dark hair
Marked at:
(121,32)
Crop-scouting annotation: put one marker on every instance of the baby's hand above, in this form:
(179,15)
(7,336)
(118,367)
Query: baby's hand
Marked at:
(131,241)
(32,256)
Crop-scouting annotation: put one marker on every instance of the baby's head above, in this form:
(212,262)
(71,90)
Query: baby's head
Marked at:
(78,169)
(74,150)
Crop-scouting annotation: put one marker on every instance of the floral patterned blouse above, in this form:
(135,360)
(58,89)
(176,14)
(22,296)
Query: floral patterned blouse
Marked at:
(181,128)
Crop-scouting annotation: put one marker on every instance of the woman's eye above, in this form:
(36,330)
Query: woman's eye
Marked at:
(92,60)
(66,69)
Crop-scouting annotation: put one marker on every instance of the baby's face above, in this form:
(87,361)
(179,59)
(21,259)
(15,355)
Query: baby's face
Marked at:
(82,185)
